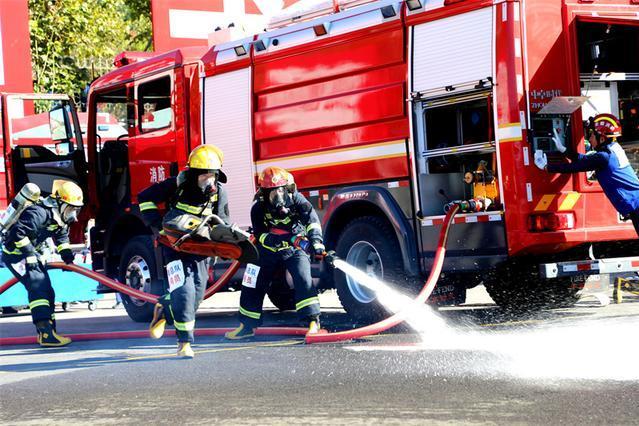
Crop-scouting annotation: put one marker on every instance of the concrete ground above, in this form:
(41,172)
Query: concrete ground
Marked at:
(465,365)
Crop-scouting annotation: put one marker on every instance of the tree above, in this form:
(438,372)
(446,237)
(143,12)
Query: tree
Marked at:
(74,41)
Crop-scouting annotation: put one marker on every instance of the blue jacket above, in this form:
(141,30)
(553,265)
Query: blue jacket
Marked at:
(614,173)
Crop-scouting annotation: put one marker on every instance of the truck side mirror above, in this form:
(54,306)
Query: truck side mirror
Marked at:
(59,124)
(63,148)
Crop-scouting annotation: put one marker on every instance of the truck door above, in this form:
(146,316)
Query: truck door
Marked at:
(152,149)
(112,116)
(42,141)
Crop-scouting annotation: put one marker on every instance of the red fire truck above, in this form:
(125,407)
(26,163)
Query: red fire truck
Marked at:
(385,111)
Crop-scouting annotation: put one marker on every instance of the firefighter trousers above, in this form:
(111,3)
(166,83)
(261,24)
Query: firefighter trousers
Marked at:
(298,264)
(38,284)
(181,304)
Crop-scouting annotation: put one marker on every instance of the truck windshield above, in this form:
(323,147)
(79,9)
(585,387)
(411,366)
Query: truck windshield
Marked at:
(111,116)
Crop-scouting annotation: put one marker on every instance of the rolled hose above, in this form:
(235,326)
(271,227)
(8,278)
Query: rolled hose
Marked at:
(400,316)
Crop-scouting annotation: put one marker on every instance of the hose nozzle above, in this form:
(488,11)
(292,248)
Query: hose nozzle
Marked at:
(330,257)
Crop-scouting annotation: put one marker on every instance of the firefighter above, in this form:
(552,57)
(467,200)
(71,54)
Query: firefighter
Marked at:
(26,239)
(288,230)
(608,159)
(191,196)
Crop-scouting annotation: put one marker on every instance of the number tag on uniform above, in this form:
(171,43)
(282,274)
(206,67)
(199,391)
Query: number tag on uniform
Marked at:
(175,272)
(20,267)
(250,275)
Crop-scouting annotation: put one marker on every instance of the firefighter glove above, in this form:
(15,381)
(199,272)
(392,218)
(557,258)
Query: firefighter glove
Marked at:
(541,160)
(67,256)
(559,144)
(300,242)
(319,251)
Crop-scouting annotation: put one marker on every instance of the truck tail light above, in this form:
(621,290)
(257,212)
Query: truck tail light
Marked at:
(551,222)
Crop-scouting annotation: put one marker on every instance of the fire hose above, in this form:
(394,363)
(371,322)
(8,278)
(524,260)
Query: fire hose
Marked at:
(147,297)
(368,330)
(125,289)
(400,316)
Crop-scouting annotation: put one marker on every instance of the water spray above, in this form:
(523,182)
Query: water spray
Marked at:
(403,314)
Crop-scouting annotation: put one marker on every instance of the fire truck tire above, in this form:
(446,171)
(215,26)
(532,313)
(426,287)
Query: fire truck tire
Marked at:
(370,244)
(138,270)
(281,292)
(516,287)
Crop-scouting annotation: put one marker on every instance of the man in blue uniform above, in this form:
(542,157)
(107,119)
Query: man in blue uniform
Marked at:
(50,217)
(613,170)
(288,229)
(195,194)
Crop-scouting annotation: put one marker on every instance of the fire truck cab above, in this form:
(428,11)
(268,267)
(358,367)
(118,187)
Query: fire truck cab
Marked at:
(386,111)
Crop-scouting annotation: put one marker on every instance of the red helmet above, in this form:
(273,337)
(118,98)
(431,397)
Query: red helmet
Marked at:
(274,177)
(607,125)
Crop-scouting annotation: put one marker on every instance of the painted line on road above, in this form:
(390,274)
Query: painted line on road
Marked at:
(497,324)
(228,349)
(388,348)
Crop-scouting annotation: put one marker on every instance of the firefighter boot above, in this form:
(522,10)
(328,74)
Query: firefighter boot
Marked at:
(314,326)
(185,350)
(158,323)
(241,332)
(47,336)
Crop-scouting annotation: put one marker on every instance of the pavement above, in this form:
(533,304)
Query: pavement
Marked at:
(472,364)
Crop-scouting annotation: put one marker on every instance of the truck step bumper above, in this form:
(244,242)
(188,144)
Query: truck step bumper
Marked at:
(589,267)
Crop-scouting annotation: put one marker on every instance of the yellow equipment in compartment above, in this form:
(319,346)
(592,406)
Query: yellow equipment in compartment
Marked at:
(628,284)
(483,182)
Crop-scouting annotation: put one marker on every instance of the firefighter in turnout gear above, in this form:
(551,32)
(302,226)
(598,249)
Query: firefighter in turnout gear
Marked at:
(49,217)
(191,196)
(288,231)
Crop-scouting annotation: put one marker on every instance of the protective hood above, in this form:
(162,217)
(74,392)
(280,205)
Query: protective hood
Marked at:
(52,204)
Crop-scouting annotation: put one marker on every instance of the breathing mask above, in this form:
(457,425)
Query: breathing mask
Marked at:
(68,213)
(278,199)
(206,182)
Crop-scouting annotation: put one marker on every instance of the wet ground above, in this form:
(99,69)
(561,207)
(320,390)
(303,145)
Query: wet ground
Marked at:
(562,366)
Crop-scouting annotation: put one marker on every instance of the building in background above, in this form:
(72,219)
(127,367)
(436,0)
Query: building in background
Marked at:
(15,53)
(181,23)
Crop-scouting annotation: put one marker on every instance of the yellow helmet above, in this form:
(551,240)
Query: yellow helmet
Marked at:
(67,192)
(207,157)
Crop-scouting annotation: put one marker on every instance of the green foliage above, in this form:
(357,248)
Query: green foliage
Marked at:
(74,41)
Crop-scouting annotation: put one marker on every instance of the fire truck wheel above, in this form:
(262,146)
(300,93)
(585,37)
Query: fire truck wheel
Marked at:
(369,244)
(137,270)
(281,292)
(516,287)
